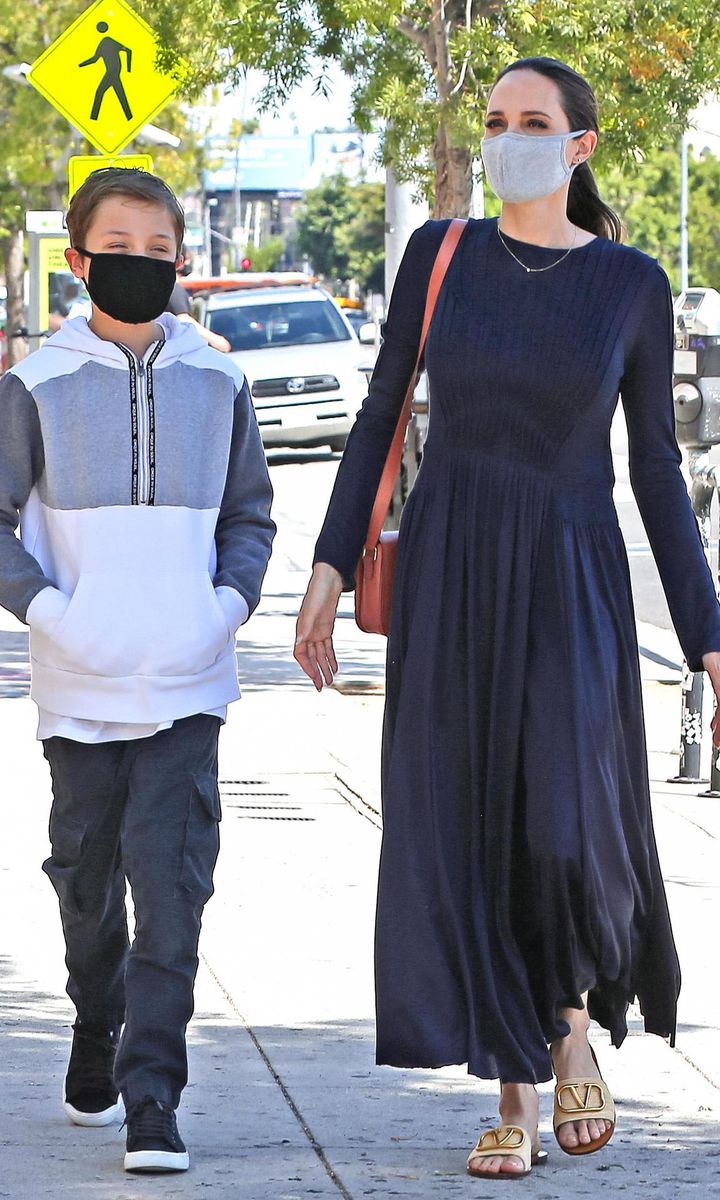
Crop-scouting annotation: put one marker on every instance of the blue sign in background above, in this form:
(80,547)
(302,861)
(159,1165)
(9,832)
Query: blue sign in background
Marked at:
(290,164)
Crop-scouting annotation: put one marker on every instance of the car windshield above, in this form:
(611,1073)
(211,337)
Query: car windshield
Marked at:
(356,317)
(293,323)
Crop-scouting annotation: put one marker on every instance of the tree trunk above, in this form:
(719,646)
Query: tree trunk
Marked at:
(453,177)
(12,253)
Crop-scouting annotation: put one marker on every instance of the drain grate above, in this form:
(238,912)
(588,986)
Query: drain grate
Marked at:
(244,782)
(280,795)
(265,817)
(290,796)
(257,800)
(275,807)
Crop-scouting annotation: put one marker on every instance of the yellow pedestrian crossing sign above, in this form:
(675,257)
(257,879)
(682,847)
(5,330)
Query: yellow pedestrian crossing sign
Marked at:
(101,75)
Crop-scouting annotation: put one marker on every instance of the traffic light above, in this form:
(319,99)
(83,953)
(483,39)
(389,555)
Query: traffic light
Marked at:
(245,264)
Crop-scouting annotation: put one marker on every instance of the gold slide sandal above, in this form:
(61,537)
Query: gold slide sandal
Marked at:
(584,1100)
(507,1141)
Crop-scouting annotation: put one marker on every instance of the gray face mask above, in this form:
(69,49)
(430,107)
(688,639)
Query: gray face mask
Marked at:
(526,166)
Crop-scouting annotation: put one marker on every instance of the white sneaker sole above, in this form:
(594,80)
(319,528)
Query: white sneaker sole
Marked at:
(92,1120)
(156,1160)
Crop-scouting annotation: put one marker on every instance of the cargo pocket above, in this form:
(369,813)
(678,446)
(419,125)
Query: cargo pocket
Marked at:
(64,864)
(202,839)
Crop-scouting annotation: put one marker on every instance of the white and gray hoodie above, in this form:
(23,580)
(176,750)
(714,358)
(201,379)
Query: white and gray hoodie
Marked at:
(143,498)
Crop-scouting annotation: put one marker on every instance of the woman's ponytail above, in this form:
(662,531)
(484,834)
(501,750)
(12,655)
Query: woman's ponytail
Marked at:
(587,209)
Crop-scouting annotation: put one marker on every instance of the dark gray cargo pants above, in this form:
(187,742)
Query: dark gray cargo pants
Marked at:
(145,810)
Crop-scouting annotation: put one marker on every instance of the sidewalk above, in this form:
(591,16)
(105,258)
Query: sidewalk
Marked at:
(285,1101)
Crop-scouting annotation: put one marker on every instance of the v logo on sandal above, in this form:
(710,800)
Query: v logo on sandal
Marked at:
(506,1136)
(581,1097)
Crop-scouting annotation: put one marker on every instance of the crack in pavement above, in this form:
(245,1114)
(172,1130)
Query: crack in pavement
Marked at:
(292,1105)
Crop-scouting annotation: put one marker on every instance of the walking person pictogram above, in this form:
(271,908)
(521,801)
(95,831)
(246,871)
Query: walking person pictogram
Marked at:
(109,51)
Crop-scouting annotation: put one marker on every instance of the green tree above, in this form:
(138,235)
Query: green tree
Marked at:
(364,237)
(704,221)
(326,210)
(341,229)
(648,197)
(265,257)
(423,66)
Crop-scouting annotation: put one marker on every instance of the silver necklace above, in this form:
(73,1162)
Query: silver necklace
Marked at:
(536,270)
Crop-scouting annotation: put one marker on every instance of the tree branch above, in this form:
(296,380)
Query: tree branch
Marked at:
(415,34)
(488,8)
(440,32)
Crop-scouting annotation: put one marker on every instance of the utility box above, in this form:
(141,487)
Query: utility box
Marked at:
(696,390)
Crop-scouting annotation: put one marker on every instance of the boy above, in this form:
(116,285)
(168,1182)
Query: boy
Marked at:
(131,456)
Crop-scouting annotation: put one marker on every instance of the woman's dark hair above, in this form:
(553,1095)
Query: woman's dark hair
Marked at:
(585,206)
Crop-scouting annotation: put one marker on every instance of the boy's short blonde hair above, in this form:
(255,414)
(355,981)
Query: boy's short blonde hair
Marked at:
(120,181)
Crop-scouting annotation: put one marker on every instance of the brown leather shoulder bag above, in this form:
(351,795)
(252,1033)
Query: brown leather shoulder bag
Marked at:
(375,573)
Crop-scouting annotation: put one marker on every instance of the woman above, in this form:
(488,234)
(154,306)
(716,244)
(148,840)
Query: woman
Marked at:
(520,892)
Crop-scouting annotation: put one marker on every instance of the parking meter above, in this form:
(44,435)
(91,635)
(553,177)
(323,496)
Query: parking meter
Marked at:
(696,389)
(696,393)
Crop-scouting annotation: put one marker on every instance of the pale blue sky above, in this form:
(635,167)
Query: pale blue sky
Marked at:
(311,111)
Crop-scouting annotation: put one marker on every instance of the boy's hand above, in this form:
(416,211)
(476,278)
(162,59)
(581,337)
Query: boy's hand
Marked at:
(314,649)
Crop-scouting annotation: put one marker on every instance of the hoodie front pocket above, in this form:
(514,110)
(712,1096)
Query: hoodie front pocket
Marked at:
(115,625)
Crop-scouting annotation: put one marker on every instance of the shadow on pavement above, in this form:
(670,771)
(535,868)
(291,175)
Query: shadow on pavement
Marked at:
(386,1132)
(396,1126)
(243,1139)
(261,665)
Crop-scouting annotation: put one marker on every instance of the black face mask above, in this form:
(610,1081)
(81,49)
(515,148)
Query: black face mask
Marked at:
(130,288)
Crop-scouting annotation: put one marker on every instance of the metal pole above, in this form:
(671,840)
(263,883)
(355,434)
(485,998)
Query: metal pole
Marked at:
(34,316)
(208,239)
(714,789)
(703,484)
(683,212)
(403,214)
(237,208)
(690,728)
(477,203)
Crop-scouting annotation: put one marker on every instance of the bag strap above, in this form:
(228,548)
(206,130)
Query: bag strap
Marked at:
(391,470)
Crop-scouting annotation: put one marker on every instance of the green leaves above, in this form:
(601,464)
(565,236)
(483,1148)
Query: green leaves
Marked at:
(650,61)
(647,199)
(341,229)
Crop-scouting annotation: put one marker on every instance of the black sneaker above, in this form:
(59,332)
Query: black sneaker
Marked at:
(90,1096)
(153,1141)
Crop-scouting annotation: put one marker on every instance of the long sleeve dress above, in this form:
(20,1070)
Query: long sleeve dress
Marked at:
(519,866)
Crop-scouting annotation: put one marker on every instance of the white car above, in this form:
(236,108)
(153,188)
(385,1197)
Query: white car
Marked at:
(306,369)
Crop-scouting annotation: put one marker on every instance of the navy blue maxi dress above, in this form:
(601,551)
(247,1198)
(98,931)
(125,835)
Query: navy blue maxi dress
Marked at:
(519,865)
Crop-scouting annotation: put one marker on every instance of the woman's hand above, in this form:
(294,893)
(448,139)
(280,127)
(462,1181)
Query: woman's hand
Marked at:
(711,663)
(314,649)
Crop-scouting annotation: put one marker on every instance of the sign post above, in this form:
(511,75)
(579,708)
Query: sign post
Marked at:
(52,286)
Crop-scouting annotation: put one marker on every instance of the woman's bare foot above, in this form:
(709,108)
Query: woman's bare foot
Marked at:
(518,1106)
(572,1059)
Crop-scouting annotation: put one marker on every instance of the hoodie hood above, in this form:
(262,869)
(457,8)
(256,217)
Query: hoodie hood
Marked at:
(181,339)
(75,343)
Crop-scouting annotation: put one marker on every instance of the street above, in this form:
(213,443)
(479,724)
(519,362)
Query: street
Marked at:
(284,1100)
